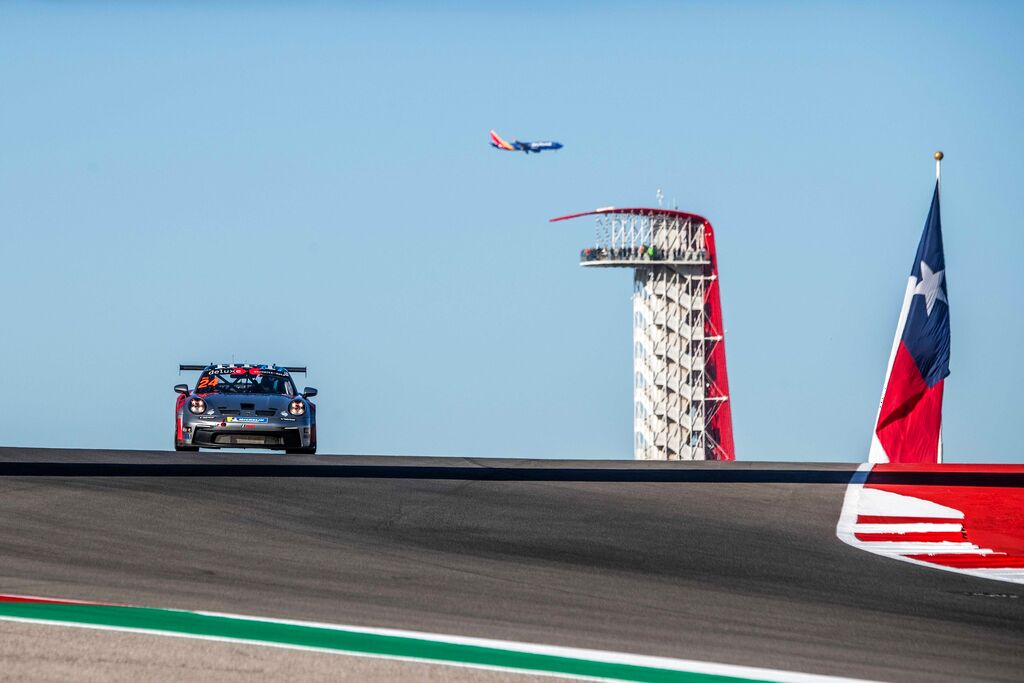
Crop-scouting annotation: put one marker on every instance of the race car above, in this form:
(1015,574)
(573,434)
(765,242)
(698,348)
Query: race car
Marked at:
(244,406)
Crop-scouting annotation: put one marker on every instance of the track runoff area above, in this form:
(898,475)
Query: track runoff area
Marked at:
(592,570)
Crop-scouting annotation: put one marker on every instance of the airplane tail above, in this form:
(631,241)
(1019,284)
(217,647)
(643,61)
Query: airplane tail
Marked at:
(496,141)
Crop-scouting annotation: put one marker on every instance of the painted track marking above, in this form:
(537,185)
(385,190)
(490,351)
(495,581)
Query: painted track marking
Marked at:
(390,643)
(905,517)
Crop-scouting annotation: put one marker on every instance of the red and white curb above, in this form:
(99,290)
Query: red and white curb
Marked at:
(888,520)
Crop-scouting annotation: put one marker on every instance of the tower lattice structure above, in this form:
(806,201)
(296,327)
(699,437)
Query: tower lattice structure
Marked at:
(681,408)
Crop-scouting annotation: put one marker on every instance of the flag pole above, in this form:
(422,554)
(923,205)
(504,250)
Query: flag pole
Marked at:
(938,188)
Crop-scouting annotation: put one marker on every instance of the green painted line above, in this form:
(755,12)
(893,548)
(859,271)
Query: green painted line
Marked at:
(342,640)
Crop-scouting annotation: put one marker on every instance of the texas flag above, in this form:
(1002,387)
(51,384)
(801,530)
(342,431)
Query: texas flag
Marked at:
(909,425)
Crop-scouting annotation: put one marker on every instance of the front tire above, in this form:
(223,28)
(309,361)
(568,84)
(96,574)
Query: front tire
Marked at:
(301,451)
(188,449)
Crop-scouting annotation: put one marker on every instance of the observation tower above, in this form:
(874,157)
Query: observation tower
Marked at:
(681,407)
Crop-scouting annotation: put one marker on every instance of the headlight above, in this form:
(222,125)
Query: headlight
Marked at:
(197,406)
(297,408)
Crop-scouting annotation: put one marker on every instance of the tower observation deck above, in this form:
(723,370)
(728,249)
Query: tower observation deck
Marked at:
(681,407)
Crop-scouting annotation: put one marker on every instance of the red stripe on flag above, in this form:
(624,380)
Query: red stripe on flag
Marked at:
(911,415)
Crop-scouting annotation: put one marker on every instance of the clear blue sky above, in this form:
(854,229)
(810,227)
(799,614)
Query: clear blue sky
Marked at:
(310,183)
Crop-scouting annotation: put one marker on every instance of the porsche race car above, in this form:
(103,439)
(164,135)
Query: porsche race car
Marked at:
(245,406)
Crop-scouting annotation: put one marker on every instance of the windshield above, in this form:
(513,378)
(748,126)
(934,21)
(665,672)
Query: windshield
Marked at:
(244,381)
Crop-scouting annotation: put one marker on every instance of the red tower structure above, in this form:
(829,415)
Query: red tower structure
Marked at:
(681,401)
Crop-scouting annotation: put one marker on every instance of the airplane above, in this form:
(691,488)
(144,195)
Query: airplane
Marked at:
(527,147)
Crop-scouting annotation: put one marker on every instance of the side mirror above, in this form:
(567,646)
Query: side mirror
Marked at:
(181,388)
(309,392)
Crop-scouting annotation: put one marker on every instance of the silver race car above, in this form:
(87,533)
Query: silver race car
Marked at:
(244,406)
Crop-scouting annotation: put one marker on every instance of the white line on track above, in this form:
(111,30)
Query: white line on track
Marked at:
(603,656)
(907,528)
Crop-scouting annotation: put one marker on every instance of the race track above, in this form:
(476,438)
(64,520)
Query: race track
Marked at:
(732,563)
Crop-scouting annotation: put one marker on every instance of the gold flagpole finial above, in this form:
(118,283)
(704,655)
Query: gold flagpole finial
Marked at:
(938,155)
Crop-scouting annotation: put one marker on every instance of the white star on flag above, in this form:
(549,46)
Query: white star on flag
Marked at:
(930,287)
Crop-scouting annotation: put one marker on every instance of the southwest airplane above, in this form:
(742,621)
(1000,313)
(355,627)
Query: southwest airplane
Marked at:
(517,146)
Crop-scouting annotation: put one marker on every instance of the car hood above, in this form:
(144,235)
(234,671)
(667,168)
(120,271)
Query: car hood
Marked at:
(251,401)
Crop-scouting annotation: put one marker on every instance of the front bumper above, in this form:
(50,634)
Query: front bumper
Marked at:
(274,434)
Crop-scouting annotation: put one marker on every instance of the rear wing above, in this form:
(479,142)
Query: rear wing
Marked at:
(200,368)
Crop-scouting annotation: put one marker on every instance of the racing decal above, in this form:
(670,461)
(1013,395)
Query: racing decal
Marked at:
(247,371)
(206,382)
(253,420)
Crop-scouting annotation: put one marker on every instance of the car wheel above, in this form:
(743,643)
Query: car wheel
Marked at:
(189,449)
(301,451)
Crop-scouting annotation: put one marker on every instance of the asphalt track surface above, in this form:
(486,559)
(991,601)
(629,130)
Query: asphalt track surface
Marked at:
(732,563)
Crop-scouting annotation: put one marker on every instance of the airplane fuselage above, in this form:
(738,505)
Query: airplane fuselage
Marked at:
(536,147)
(518,146)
